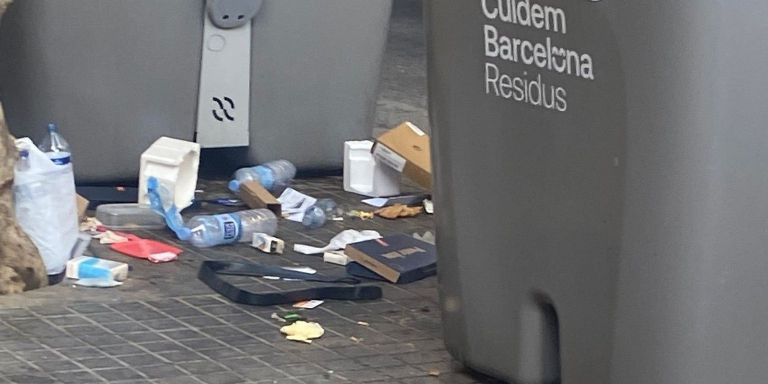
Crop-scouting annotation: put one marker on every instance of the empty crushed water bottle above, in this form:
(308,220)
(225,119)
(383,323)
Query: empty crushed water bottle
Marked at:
(316,215)
(274,176)
(55,147)
(22,165)
(209,231)
(161,201)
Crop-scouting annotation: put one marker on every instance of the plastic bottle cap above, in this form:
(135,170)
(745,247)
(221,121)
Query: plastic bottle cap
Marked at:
(152,182)
(234,185)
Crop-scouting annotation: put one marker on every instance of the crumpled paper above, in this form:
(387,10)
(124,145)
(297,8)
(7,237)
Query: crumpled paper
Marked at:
(303,331)
(338,242)
(294,204)
(399,210)
(361,214)
(164,257)
(90,225)
(110,237)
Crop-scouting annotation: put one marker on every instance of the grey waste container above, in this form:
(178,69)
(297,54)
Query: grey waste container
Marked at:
(117,74)
(602,188)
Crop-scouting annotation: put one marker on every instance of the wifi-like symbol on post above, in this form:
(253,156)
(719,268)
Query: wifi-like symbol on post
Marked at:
(219,109)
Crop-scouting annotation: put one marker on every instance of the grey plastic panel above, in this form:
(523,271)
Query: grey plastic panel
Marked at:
(638,214)
(118,74)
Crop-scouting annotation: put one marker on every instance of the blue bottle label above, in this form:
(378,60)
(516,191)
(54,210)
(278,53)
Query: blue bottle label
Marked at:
(230,225)
(59,158)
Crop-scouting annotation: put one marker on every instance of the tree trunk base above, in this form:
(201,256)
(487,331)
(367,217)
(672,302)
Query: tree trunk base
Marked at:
(21,267)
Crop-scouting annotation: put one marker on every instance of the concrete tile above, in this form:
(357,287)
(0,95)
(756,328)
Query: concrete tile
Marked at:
(38,378)
(118,374)
(145,314)
(202,344)
(279,359)
(100,362)
(180,356)
(101,340)
(125,327)
(178,380)
(201,367)
(67,320)
(259,373)
(89,308)
(120,350)
(303,369)
(58,366)
(221,378)
(143,337)
(76,377)
(202,321)
(82,353)
(141,360)
(62,342)
(107,317)
(163,324)
(162,346)
(182,334)
(160,371)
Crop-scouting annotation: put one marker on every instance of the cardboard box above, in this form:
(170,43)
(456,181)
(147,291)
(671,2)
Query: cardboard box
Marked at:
(255,196)
(82,207)
(398,258)
(406,149)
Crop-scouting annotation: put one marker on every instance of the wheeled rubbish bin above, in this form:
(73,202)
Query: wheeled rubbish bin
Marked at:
(269,79)
(602,188)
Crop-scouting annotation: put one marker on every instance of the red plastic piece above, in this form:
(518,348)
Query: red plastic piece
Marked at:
(143,248)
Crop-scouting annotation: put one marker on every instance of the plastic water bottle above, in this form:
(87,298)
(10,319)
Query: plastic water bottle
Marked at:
(23,164)
(161,201)
(316,215)
(273,176)
(55,147)
(209,231)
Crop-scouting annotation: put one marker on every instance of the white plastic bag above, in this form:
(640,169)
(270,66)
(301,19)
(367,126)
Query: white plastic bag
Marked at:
(46,207)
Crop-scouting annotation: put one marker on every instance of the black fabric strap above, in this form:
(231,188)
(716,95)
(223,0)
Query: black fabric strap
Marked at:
(210,271)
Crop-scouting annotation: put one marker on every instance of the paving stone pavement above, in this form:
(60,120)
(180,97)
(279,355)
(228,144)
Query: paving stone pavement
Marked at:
(164,326)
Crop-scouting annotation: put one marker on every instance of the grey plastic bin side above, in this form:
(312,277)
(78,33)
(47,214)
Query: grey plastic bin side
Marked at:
(116,75)
(624,240)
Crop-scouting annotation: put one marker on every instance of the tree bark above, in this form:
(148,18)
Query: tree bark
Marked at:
(21,267)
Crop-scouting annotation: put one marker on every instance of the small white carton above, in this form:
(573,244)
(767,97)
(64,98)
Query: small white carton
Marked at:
(267,243)
(87,267)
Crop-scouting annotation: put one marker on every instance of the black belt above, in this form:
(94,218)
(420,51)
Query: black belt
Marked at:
(210,271)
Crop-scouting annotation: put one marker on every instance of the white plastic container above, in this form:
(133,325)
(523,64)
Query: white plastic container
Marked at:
(364,175)
(129,216)
(174,163)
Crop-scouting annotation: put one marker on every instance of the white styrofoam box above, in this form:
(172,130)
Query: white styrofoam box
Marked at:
(174,163)
(364,175)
